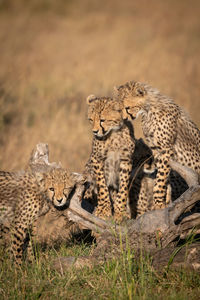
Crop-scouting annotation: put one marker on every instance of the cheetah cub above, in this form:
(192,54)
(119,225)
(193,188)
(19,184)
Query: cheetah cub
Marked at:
(168,130)
(143,180)
(25,196)
(110,162)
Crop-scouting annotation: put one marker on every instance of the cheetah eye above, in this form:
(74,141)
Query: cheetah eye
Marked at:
(90,120)
(51,189)
(140,93)
(102,120)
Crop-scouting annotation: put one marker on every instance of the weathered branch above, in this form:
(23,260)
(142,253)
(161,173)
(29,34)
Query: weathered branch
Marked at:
(182,230)
(168,221)
(77,214)
(175,221)
(149,222)
(39,159)
(189,175)
(184,203)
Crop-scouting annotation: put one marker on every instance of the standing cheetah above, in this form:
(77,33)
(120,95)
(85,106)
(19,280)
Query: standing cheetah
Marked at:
(25,196)
(168,130)
(110,163)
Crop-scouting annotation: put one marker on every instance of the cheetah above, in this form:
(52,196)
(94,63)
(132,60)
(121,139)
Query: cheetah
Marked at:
(168,131)
(143,179)
(24,196)
(110,162)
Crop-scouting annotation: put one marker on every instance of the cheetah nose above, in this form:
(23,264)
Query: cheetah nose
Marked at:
(60,200)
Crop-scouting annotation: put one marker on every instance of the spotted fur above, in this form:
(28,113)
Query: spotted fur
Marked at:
(25,196)
(168,130)
(110,162)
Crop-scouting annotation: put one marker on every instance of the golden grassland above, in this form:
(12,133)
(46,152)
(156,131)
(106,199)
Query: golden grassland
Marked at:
(55,53)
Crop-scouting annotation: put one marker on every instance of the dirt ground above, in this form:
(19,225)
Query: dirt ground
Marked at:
(55,53)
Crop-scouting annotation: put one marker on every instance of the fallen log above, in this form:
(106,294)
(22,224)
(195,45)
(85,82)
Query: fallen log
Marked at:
(155,230)
(163,220)
(190,176)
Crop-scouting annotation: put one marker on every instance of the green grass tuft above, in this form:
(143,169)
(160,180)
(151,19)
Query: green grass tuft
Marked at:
(123,278)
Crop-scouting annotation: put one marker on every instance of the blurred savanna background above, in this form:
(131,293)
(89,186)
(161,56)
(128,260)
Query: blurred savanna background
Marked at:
(54,53)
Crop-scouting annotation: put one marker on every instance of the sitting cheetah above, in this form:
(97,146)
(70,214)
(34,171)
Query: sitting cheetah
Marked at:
(110,162)
(25,196)
(168,130)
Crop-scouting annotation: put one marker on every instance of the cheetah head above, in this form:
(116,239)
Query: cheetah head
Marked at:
(133,96)
(104,114)
(60,185)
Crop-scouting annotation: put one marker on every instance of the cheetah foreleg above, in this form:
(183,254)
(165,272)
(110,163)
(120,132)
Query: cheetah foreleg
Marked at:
(122,199)
(161,181)
(103,209)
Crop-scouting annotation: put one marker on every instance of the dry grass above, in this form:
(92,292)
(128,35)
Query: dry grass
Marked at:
(55,53)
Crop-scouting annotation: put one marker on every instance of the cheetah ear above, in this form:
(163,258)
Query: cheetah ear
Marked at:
(40,178)
(78,178)
(90,99)
(140,91)
(118,105)
(116,92)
